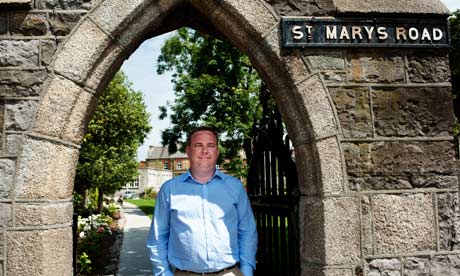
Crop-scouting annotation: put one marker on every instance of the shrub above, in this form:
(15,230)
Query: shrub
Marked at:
(84,264)
(148,190)
(78,203)
(150,193)
(99,223)
(93,199)
(153,194)
(88,207)
(93,232)
(112,210)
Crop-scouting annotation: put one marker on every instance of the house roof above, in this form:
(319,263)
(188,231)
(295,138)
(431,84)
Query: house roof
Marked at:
(162,153)
(179,155)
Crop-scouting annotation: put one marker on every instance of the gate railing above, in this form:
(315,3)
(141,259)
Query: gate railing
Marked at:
(272,189)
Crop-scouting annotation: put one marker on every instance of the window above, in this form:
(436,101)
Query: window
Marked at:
(165,165)
(134,184)
(179,165)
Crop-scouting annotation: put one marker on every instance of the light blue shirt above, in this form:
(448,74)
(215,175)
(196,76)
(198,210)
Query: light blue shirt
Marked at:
(202,227)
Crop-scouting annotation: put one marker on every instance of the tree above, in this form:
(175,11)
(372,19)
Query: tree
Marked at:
(214,84)
(108,153)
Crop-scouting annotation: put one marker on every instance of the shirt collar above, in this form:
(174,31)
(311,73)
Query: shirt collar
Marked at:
(217,173)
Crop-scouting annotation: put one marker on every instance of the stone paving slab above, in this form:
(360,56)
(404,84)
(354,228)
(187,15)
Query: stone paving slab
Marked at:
(134,259)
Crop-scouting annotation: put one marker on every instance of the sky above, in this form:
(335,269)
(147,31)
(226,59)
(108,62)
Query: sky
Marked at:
(452,4)
(140,69)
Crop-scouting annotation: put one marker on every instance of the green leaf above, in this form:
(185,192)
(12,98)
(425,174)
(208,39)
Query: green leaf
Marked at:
(118,127)
(214,84)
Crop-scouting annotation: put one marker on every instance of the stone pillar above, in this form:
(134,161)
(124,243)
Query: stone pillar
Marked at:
(35,216)
(40,221)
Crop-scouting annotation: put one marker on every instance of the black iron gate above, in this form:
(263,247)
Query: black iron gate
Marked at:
(272,188)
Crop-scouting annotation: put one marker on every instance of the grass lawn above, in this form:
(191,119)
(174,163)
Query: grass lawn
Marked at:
(146,205)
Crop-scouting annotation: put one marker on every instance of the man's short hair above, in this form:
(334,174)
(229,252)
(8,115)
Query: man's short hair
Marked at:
(202,128)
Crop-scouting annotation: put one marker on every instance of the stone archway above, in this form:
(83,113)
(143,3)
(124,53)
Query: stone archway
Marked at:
(38,234)
(88,59)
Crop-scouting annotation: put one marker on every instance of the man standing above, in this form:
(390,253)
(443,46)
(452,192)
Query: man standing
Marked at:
(203,223)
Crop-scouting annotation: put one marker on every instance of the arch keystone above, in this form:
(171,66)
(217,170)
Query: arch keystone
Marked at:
(203,6)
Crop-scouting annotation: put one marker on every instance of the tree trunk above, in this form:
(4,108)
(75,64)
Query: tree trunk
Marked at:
(100,201)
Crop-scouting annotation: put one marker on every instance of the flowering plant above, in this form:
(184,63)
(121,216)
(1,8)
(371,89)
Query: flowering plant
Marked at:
(93,232)
(111,209)
(94,237)
(95,223)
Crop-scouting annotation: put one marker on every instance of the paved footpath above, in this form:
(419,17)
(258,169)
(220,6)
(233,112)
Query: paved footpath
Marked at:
(134,260)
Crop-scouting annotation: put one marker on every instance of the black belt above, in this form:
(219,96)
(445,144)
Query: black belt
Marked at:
(208,273)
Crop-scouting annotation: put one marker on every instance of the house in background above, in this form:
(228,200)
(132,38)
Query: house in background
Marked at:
(148,178)
(159,158)
(178,163)
(156,169)
(159,167)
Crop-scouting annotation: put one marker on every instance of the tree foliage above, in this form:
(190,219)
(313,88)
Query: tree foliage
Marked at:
(214,84)
(108,153)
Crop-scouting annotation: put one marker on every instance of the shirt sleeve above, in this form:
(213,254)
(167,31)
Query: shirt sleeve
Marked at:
(157,242)
(247,235)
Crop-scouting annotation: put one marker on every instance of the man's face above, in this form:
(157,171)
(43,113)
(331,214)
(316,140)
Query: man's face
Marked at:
(203,151)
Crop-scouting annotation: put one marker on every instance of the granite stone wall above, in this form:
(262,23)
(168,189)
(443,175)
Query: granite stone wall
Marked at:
(34,218)
(372,128)
(396,117)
